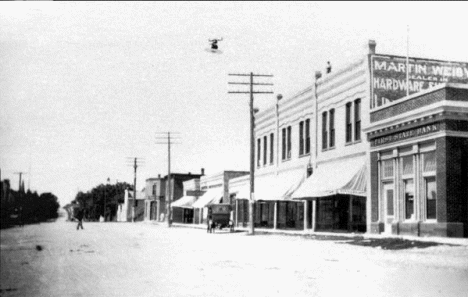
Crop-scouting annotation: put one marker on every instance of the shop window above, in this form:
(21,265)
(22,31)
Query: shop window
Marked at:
(357,119)
(349,131)
(332,127)
(409,199)
(407,165)
(387,169)
(324,131)
(272,150)
(265,148)
(431,197)
(390,202)
(307,136)
(429,162)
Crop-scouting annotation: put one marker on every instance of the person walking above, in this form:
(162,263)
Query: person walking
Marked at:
(79,217)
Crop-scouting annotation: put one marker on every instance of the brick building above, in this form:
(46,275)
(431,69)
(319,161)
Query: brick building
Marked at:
(419,164)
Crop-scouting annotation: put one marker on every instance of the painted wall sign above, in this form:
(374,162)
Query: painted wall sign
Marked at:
(388,76)
(405,134)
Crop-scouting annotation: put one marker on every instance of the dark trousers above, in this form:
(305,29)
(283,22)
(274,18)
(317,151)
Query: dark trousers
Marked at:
(80,224)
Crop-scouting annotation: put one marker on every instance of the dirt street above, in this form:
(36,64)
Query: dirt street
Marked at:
(140,259)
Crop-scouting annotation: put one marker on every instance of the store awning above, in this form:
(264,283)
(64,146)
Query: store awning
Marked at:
(278,187)
(184,202)
(212,196)
(347,177)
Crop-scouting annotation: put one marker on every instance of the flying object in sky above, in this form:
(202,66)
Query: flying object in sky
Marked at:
(214,46)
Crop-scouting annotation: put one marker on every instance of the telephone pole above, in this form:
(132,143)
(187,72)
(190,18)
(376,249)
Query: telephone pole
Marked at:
(251,92)
(137,162)
(161,138)
(20,173)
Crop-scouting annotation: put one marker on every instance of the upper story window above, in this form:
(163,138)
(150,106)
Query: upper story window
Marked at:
(265,148)
(272,150)
(301,138)
(283,144)
(154,189)
(349,130)
(304,137)
(357,119)
(332,127)
(259,147)
(307,136)
(324,131)
(289,143)
(286,149)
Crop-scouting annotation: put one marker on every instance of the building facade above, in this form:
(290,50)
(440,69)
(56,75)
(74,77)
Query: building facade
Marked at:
(419,164)
(313,161)
(216,190)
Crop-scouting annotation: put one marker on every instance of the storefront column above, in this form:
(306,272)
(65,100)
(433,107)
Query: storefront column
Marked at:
(306,211)
(314,215)
(275,215)
(350,219)
(158,209)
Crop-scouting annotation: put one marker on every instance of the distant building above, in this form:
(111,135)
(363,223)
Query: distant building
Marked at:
(125,209)
(156,193)
(216,190)
(182,208)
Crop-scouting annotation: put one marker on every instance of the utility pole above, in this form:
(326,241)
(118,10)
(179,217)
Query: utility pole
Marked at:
(251,75)
(20,173)
(163,139)
(137,162)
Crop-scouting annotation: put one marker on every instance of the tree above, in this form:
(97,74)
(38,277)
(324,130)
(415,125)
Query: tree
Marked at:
(93,201)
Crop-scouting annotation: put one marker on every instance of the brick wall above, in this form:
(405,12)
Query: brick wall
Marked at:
(374,188)
(457,187)
(418,102)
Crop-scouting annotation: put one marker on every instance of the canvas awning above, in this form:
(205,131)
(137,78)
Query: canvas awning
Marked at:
(241,190)
(279,187)
(212,196)
(184,202)
(342,177)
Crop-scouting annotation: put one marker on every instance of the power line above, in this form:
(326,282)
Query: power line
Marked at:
(251,92)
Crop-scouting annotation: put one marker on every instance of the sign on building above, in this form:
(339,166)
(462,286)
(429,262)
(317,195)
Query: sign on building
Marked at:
(388,76)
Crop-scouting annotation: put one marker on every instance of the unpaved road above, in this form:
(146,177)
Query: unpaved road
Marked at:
(125,259)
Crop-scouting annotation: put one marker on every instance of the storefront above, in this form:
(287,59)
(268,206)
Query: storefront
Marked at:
(182,210)
(419,164)
(335,196)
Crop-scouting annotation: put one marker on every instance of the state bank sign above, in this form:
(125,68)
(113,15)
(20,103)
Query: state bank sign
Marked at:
(388,76)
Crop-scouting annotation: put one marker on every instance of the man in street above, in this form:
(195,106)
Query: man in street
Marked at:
(79,217)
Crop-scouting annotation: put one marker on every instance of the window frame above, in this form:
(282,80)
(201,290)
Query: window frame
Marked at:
(332,128)
(348,124)
(324,130)
(357,119)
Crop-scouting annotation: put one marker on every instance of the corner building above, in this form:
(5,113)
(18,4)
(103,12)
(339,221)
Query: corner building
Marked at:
(419,164)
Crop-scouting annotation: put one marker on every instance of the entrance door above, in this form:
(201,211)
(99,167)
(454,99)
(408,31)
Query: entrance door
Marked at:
(389,206)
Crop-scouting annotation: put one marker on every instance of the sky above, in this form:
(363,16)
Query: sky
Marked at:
(84,86)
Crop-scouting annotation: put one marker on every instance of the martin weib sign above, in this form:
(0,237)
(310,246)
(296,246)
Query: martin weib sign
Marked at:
(388,76)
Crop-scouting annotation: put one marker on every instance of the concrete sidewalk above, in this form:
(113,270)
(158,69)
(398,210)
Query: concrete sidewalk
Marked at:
(442,240)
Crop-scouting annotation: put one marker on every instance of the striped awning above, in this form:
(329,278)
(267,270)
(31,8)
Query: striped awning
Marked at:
(184,202)
(348,177)
(212,196)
